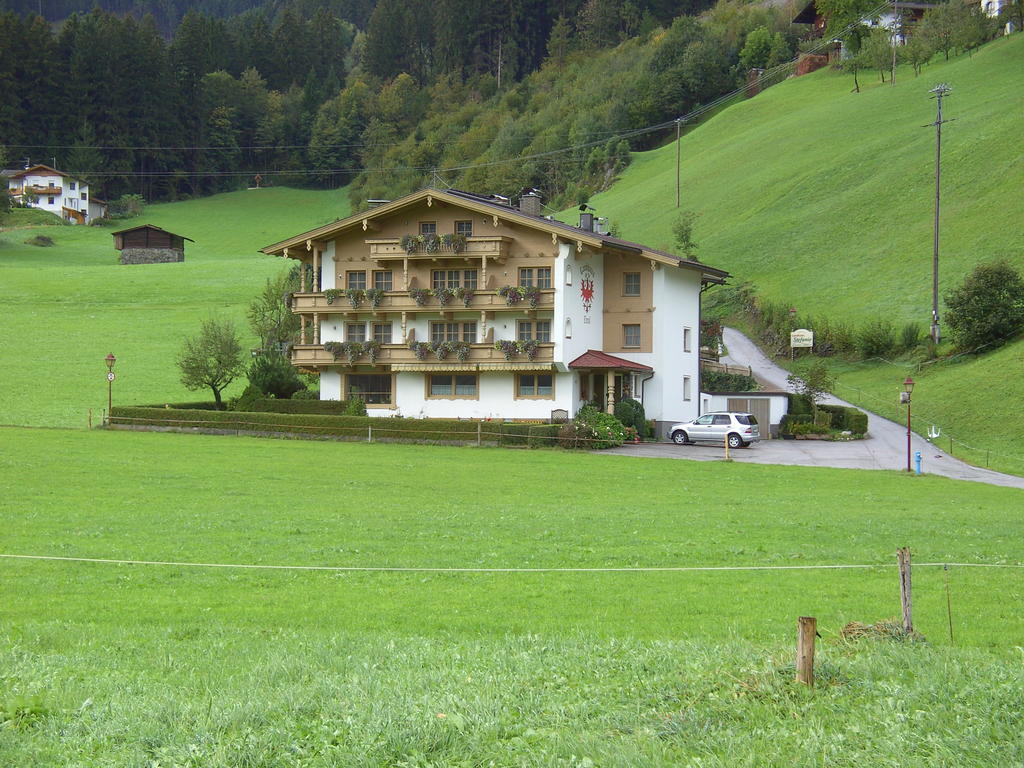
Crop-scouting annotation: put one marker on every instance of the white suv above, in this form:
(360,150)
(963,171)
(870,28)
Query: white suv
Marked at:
(740,429)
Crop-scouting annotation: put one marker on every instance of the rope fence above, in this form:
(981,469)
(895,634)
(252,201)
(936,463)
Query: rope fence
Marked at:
(429,569)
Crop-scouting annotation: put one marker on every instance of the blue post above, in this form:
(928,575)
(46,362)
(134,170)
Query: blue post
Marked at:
(917,462)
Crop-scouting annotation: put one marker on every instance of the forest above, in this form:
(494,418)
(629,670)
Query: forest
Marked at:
(162,100)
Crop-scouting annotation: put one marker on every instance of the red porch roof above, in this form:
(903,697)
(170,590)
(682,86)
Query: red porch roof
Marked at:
(593,358)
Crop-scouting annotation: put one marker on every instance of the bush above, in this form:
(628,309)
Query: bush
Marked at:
(307,394)
(876,339)
(791,421)
(272,374)
(592,429)
(910,336)
(847,419)
(126,207)
(631,413)
(246,400)
(716,381)
(987,308)
(355,407)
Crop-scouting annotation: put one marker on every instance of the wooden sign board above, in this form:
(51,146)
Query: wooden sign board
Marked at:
(801,337)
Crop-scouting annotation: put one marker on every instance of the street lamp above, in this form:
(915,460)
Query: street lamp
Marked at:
(908,387)
(110,360)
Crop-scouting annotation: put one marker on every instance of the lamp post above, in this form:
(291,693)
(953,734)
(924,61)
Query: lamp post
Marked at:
(908,387)
(110,360)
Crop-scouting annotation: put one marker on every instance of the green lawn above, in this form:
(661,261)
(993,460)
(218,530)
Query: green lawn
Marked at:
(67,306)
(209,666)
(823,199)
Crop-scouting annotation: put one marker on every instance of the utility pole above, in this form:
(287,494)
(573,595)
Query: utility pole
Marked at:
(939,90)
(896,24)
(679,122)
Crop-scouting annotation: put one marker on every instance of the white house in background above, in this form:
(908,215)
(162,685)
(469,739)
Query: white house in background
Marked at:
(449,304)
(992,9)
(41,186)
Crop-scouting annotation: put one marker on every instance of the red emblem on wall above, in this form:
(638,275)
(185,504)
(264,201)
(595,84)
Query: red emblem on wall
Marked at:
(587,287)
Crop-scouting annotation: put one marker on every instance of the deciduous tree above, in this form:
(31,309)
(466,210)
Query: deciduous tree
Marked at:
(987,308)
(212,359)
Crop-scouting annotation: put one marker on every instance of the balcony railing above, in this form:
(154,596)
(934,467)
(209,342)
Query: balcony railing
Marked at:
(474,247)
(401,301)
(481,357)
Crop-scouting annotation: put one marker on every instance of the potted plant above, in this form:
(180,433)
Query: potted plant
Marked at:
(419,295)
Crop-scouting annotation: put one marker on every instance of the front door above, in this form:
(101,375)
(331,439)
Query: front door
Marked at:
(598,390)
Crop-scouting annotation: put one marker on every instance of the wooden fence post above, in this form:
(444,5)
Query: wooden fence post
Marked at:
(807,629)
(903,558)
(369,433)
(478,430)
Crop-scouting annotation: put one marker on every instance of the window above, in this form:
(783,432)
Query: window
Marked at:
(630,283)
(453,332)
(374,389)
(355,280)
(631,335)
(355,332)
(49,200)
(687,393)
(72,185)
(534,385)
(568,327)
(83,195)
(539,330)
(382,280)
(382,333)
(452,385)
(428,227)
(464,228)
(721,420)
(538,277)
(453,278)
(687,340)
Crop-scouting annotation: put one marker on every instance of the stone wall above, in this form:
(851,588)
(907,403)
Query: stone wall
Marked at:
(151,255)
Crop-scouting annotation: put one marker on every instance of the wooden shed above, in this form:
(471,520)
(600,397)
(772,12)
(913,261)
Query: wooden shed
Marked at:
(147,244)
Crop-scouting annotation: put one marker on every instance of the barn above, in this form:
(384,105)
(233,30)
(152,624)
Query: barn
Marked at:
(147,244)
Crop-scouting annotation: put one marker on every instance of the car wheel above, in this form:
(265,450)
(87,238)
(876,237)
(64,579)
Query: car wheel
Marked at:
(679,437)
(735,441)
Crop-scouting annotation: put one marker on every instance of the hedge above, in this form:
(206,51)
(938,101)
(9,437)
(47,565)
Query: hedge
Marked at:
(324,407)
(333,425)
(789,419)
(205,406)
(847,419)
(532,435)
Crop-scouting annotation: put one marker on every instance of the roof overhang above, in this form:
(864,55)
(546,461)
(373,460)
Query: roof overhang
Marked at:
(595,359)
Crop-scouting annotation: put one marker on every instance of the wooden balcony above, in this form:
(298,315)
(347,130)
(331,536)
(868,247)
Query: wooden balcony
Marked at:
(389,249)
(398,357)
(34,189)
(401,301)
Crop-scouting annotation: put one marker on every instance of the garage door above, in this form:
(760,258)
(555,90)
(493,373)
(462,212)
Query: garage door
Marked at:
(760,407)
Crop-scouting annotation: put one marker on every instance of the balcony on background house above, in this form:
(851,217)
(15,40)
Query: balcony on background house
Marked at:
(399,357)
(390,249)
(35,189)
(402,301)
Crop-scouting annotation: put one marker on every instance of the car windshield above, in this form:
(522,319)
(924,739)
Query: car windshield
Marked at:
(746,418)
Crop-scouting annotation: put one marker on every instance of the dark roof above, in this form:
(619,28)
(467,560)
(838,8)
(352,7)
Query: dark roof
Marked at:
(593,358)
(27,171)
(150,226)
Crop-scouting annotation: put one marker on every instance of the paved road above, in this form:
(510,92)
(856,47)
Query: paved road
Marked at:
(884,448)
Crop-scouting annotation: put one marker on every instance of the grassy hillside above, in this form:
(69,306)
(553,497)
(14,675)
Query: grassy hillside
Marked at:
(144,664)
(66,306)
(823,198)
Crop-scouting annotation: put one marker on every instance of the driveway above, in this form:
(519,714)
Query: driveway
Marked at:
(885,447)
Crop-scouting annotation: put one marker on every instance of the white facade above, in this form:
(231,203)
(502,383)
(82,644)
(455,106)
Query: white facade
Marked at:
(51,190)
(587,351)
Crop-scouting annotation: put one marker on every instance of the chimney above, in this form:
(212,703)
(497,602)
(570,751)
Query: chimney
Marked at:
(529,203)
(586,217)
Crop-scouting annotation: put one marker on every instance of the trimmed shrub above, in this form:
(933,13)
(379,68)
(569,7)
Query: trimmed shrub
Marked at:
(244,402)
(631,413)
(299,405)
(306,394)
(530,435)
(202,406)
(717,381)
(355,407)
(272,374)
(847,419)
(799,404)
(790,421)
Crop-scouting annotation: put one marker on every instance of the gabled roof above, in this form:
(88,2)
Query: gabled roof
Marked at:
(488,206)
(593,358)
(35,169)
(150,226)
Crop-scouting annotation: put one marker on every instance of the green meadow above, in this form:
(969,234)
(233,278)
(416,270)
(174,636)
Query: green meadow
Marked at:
(120,664)
(67,306)
(480,606)
(823,198)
